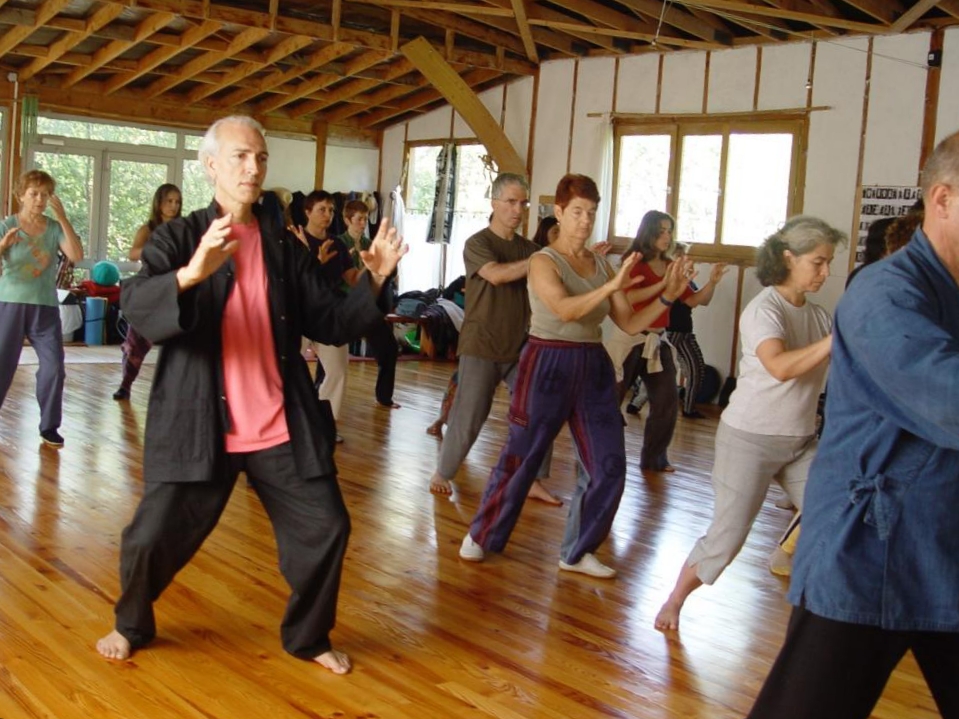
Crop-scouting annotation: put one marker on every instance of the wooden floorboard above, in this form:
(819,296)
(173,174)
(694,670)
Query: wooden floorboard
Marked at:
(430,635)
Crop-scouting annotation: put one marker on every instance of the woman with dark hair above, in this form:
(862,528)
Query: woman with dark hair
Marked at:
(167,204)
(646,355)
(547,232)
(29,308)
(768,431)
(565,376)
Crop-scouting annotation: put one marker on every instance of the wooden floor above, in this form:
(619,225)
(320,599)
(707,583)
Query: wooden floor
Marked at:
(430,635)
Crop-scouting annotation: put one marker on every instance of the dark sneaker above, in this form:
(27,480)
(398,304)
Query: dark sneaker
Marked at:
(121,394)
(51,438)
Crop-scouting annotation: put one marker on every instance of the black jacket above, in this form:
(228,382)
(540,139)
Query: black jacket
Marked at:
(188,411)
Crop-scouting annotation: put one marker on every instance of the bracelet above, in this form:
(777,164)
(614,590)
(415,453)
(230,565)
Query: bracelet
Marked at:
(668,303)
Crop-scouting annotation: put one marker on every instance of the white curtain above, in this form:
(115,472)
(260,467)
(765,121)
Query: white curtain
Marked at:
(605,129)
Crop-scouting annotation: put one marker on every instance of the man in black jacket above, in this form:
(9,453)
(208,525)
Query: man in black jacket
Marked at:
(228,293)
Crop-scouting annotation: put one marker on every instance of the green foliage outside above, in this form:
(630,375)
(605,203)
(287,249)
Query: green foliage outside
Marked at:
(74,178)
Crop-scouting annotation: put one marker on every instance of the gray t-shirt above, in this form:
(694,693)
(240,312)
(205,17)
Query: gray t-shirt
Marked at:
(762,404)
(546,325)
(497,316)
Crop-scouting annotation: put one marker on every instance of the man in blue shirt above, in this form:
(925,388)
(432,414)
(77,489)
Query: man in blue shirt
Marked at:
(876,572)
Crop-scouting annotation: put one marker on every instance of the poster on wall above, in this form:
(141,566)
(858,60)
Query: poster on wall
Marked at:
(881,201)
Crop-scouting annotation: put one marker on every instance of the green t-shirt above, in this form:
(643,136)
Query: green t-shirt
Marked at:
(29,267)
(497,316)
(351,245)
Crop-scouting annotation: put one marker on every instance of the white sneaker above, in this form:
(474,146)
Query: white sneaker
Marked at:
(470,550)
(587,565)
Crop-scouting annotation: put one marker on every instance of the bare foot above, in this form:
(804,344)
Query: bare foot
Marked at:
(538,492)
(668,617)
(334,660)
(440,486)
(114,646)
(435,429)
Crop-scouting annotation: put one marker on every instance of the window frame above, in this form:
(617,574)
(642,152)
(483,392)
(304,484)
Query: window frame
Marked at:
(677,127)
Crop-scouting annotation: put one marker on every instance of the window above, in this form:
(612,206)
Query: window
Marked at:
(107,173)
(434,264)
(729,182)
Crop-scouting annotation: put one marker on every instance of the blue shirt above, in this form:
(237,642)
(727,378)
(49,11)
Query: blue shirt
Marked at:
(880,537)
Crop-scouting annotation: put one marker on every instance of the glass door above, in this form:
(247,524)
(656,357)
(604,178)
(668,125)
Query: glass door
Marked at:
(129,182)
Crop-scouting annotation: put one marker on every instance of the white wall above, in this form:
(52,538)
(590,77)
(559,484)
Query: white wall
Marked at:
(840,151)
(293,166)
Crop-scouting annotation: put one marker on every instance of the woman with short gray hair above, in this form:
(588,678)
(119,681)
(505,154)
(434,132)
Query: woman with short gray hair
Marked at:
(768,430)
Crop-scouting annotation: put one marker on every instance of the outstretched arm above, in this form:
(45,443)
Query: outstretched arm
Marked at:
(786,364)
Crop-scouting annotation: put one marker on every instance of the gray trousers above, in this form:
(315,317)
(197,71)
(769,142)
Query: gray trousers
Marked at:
(744,467)
(41,325)
(478,380)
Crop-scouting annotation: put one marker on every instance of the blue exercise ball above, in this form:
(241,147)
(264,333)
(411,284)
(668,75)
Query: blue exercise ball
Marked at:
(105,273)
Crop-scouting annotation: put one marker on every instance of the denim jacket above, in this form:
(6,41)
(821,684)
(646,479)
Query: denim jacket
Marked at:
(880,536)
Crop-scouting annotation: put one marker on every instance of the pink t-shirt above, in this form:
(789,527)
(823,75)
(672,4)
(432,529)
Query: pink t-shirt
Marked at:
(254,389)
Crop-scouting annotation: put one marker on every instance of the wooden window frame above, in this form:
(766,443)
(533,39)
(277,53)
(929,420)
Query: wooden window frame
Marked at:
(678,127)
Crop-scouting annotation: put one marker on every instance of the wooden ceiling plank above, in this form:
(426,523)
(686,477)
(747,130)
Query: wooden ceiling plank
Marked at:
(462,98)
(337,14)
(519,7)
(282,49)
(950,7)
(424,97)
(315,61)
(734,6)
(69,40)
(377,98)
(395,31)
(243,40)
(17,34)
(911,15)
(453,7)
(667,40)
(561,42)
(678,18)
(448,21)
(885,11)
(367,60)
(114,49)
(161,55)
(349,90)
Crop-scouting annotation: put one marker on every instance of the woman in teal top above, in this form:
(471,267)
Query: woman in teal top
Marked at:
(29,241)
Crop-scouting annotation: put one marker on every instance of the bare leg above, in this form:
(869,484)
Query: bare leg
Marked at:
(539,492)
(334,660)
(440,486)
(114,646)
(668,617)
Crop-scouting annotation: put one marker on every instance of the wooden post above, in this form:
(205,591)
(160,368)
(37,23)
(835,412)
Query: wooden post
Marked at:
(321,131)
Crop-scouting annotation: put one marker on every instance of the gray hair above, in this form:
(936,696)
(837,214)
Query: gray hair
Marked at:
(942,167)
(210,144)
(507,178)
(800,235)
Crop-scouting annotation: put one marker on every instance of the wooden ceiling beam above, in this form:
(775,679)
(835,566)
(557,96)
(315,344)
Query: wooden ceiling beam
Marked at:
(462,98)
(667,40)
(148,27)
(281,50)
(69,40)
(469,28)
(357,86)
(307,87)
(421,98)
(884,11)
(734,6)
(17,34)
(678,18)
(561,42)
(606,43)
(205,61)
(519,7)
(315,61)
(906,20)
(161,55)
(378,98)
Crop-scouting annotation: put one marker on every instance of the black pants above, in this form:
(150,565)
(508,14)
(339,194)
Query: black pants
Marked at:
(663,403)
(385,351)
(835,670)
(309,520)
